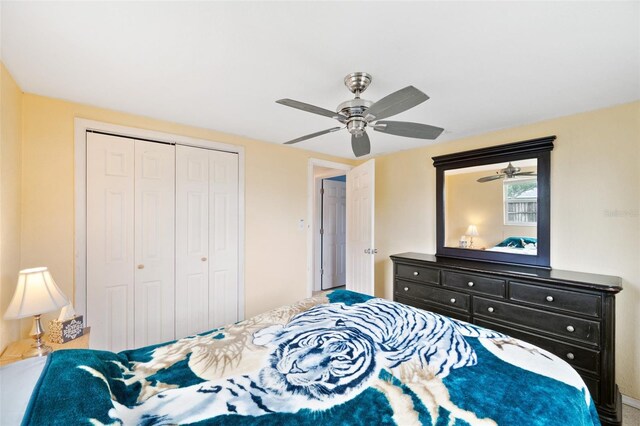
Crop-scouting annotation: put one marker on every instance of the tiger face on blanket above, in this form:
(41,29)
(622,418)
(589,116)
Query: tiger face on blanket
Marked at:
(322,356)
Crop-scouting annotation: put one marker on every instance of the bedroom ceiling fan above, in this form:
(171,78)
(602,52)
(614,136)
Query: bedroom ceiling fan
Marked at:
(507,173)
(357,115)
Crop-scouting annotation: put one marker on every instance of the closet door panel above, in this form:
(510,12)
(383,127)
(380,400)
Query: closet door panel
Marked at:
(154,242)
(110,242)
(192,242)
(223,243)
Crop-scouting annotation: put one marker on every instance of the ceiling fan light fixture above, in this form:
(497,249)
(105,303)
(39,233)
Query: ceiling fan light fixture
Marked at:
(356,126)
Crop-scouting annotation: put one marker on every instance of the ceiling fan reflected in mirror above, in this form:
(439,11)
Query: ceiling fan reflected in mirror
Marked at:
(357,115)
(508,172)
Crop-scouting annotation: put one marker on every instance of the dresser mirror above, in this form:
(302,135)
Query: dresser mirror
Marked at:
(493,203)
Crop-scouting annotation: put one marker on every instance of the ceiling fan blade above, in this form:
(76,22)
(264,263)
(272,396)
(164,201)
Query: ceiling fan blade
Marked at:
(408,129)
(490,178)
(308,108)
(395,103)
(312,135)
(360,145)
(526,174)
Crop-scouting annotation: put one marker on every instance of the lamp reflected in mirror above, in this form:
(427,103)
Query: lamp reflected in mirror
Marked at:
(472,231)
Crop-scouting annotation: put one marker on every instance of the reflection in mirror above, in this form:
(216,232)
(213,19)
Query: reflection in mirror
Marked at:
(492,207)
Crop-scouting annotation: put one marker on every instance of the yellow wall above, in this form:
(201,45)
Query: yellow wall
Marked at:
(468,202)
(595,200)
(276,198)
(10,190)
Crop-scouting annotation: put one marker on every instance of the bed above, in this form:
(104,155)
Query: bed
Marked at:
(338,358)
(517,245)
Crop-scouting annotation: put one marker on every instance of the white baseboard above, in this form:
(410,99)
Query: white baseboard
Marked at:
(631,402)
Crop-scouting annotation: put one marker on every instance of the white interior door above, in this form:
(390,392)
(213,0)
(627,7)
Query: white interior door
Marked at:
(110,241)
(154,242)
(192,240)
(360,228)
(223,238)
(333,233)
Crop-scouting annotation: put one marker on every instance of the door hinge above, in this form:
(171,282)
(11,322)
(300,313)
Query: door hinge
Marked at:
(321,191)
(321,231)
(321,271)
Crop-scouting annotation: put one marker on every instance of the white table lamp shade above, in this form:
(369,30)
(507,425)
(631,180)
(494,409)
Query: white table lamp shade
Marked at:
(472,231)
(36,293)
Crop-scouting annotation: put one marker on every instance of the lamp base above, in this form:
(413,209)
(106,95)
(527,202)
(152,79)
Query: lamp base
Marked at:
(43,350)
(38,348)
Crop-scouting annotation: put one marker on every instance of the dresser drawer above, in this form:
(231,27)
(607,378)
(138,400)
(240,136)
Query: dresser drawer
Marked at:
(581,303)
(580,358)
(418,273)
(475,283)
(448,298)
(561,325)
(438,309)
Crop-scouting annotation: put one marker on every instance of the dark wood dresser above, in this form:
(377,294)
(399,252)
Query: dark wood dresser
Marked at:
(570,314)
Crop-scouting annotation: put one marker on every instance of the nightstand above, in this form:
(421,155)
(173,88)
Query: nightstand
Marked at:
(15,350)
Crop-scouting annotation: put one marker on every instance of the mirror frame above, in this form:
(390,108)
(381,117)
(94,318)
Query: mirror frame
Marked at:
(539,149)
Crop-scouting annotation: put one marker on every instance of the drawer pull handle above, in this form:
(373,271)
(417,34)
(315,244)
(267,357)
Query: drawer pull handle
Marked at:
(406,289)
(140,266)
(570,355)
(490,309)
(453,300)
(570,329)
(204,259)
(470,284)
(416,273)
(549,298)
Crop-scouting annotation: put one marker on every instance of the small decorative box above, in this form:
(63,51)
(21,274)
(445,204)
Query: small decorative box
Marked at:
(64,331)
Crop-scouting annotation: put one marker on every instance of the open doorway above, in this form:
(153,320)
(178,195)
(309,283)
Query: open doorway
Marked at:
(358,225)
(327,224)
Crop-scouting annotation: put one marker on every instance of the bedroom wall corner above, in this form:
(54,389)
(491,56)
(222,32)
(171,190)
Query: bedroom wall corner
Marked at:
(11,98)
(595,205)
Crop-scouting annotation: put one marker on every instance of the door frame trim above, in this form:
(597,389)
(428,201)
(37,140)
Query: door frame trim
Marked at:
(81,126)
(311,209)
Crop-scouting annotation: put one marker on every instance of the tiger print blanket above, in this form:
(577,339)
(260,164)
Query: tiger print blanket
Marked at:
(340,358)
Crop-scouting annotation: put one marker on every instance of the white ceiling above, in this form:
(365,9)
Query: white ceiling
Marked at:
(221,65)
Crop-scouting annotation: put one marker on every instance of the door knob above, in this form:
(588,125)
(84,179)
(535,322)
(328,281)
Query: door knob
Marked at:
(204,259)
(141,266)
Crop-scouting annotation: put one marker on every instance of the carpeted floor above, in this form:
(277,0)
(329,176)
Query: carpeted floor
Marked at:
(630,416)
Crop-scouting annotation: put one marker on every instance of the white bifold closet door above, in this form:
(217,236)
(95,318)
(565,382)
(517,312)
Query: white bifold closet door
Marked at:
(206,239)
(130,242)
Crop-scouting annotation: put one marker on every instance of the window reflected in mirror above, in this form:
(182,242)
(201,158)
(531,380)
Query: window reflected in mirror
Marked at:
(493,207)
